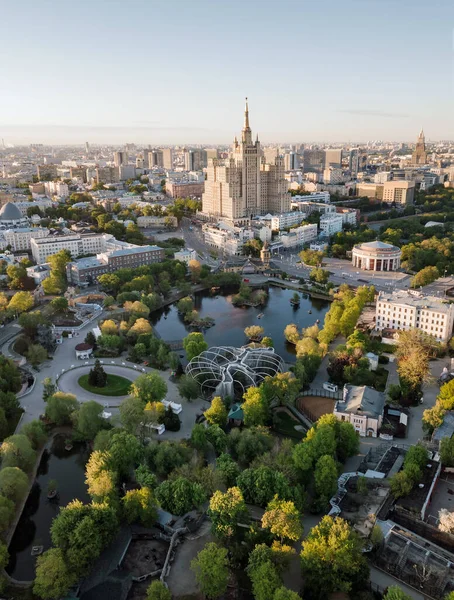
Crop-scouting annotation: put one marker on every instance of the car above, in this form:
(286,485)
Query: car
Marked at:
(294,281)
(246,280)
(330,387)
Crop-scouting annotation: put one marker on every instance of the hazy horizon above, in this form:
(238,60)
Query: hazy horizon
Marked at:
(178,74)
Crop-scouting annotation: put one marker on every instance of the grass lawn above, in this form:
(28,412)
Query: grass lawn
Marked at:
(285,425)
(115,386)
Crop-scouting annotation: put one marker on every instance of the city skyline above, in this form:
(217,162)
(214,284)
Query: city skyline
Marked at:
(322,73)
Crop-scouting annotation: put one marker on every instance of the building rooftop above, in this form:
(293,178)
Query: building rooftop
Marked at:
(10,212)
(446,429)
(362,400)
(134,250)
(377,245)
(414,299)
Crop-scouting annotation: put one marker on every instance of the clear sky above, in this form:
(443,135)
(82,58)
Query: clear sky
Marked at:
(177,71)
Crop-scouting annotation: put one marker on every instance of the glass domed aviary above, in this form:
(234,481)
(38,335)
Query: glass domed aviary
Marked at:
(229,371)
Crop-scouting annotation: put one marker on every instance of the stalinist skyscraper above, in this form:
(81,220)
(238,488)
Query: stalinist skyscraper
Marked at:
(419,156)
(244,184)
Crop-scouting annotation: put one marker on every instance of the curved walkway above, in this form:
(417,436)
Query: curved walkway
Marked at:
(68,381)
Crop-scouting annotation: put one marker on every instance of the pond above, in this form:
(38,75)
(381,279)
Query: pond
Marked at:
(231,320)
(67,468)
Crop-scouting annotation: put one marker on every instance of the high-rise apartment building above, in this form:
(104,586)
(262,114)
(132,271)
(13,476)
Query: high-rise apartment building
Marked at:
(155,159)
(87,147)
(244,184)
(419,156)
(195,160)
(78,173)
(120,158)
(167,158)
(107,174)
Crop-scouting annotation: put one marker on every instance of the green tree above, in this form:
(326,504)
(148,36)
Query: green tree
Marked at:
(194,344)
(283,386)
(125,451)
(199,437)
(13,483)
(54,284)
(188,388)
(21,301)
(250,443)
(36,433)
(60,408)
(89,420)
(131,413)
(319,275)
(185,305)
(255,407)
(283,520)
(332,558)
(217,413)
(49,388)
(109,327)
(140,505)
(325,477)
(228,469)
(211,569)
(58,262)
(36,354)
(17,451)
(29,323)
(7,512)
(59,305)
(424,277)
(158,591)
(97,377)
(292,334)
(226,511)
(447,451)
(54,576)
(109,282)
(254,332)
(149,387)
(144,477)
(401,484)
(395,593)
(178,496)
(259,486)
(265,581)
(284,593)
(101,480)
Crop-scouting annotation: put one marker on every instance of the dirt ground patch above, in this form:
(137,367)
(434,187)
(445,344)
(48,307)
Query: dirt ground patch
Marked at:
(145,556)
(181,580)
(315,406)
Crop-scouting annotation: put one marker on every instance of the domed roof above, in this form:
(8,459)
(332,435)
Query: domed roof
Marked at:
(10,212)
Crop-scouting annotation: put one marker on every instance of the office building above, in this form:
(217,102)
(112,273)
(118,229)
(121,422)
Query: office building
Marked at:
(404,310)
(126,172)
(120,158)
(350,216)
(285,220)
(376,256)
(291,161)
(333,158)
(299,236)
(184,189)
(331,223)
(333,175)
(20,238)
(211,153)
(308,207)
(87,270)
(357,161)
(87,147)
(244,185)
(76,244)
(313,161)
(39,272)
(149,221)
(373,191)
(399,192)
(419,156)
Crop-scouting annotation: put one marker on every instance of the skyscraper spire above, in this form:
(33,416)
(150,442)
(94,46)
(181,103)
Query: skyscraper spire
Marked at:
(246,133)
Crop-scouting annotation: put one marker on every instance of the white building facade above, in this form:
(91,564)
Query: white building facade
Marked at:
(299,236)
(186,255)
(20,238)
(376,256)
(331,223)
(403,310)
(75,244)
